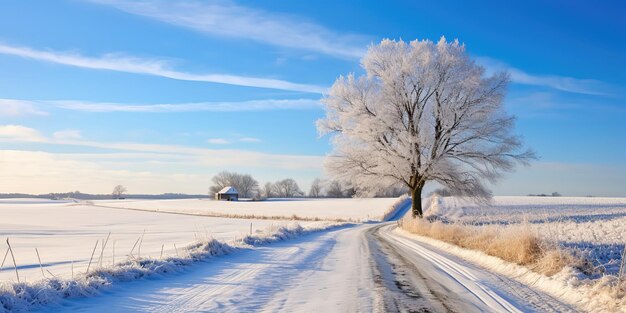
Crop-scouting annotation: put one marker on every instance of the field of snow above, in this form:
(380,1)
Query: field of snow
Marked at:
(65,233)
(328,209)
(595,228)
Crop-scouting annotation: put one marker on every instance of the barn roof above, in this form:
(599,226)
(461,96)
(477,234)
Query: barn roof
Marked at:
(228,190)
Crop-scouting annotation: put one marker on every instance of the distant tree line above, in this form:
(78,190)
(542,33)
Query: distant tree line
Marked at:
(554,194)
(445,192)
(248,187)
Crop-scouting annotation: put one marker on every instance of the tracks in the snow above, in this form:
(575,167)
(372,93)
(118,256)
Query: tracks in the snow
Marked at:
(415,277)
(401,284)
(364,268)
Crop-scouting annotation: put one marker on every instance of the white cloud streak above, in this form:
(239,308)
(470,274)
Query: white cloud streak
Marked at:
(253,105)
(227,19)
(213,157)
(155,67)
(218,141)
(18,133)
(68,134)
(563,83)
(14,108)
(43,172)
(250,139)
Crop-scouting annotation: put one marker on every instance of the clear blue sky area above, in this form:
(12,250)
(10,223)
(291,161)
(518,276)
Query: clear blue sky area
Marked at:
(161,95)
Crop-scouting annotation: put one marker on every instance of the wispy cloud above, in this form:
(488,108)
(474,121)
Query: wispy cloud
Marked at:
(249,139)
(20,133)
(563,83)
(44,172)
(212,157)
(227,19)
(218,141)
(155,67)
(12,108)
(253,105)
(68,134)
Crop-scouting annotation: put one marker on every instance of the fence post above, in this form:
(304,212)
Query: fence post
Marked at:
(40,266)
(14,264)
(91,258)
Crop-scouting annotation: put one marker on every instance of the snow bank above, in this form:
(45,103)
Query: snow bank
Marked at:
(396,208)
(591,230)
(569,285)
(19,297)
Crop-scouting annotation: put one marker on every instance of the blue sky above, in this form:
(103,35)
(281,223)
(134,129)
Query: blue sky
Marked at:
(161,95)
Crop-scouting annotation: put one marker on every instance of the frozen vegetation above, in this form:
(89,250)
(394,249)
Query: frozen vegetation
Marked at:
(592,227)
(590,231)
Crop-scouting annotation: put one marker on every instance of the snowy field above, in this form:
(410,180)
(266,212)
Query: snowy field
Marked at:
(328,209)
(65,232)
(593,227)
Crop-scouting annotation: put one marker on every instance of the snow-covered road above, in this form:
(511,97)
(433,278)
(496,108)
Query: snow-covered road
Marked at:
(365,268)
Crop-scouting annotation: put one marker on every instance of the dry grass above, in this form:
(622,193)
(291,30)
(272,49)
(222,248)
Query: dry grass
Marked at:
(513,243)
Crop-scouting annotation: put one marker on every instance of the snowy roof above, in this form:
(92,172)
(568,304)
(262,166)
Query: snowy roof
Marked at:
(229,190)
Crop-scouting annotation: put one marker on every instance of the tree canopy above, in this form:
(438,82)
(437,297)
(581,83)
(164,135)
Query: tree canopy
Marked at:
(422,112)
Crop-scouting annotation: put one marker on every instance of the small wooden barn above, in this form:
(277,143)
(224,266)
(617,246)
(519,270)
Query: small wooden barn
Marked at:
(228,193)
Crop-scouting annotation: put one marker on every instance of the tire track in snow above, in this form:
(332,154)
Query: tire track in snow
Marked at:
(482,290)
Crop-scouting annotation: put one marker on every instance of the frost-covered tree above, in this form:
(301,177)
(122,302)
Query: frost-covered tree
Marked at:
(316,188)
(423,112)
(334,190)
(118,191)
(244,183)
(286,188)
(268,190)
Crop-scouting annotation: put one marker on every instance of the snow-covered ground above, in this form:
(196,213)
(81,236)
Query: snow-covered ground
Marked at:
(65,234)
(593,227)
(366,267)
(330,209)
(342,270)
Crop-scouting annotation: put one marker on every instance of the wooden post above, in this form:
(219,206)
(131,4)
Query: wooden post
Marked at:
(40,266)
(14,264)
(102,251)
(91,258)
(133,249)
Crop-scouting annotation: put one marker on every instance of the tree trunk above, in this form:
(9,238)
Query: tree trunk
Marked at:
(416,208)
